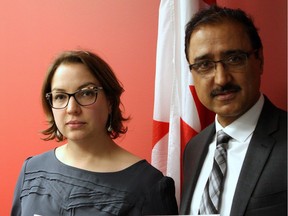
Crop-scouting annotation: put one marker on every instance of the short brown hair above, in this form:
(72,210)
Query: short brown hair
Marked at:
(104,74)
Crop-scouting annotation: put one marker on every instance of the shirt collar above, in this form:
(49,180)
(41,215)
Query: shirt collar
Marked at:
(244,126)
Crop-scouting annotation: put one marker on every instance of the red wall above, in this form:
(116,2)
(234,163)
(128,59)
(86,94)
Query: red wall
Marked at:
(124,32)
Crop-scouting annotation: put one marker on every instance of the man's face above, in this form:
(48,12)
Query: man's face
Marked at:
(226,91)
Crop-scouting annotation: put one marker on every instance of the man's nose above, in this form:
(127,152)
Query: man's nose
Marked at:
(222,75)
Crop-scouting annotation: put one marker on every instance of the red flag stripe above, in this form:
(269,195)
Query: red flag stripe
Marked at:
(160,129)
(206,117)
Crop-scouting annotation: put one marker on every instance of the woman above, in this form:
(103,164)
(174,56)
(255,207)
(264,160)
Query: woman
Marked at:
(90,174)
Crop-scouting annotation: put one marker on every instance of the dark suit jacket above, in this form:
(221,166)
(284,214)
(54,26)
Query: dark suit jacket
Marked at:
(262,184)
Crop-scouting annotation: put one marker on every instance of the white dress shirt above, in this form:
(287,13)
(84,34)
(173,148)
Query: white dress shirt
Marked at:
(241,131)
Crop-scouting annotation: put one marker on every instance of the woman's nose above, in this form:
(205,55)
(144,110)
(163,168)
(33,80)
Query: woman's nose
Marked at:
(72,106)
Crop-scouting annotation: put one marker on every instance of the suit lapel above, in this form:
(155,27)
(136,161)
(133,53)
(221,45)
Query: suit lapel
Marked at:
(257,154)
(194,157)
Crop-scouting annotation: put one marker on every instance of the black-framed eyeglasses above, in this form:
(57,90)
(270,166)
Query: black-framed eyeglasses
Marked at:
(84,97)
(232,62)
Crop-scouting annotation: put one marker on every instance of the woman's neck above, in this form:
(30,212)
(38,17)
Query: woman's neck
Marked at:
(100,156)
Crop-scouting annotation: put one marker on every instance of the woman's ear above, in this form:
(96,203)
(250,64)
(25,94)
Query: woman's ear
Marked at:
(109,107)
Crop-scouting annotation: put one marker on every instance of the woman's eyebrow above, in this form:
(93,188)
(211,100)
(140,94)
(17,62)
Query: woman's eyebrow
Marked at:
(80,87)
(86,85)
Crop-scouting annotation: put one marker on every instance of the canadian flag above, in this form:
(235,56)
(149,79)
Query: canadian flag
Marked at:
(178,114)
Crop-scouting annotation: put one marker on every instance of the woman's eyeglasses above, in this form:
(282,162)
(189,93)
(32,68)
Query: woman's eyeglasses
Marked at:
(84,97)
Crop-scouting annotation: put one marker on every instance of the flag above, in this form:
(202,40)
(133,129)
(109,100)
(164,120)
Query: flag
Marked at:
(178,114)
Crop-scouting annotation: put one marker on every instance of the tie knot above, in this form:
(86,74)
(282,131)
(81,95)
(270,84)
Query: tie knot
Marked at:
(222,138)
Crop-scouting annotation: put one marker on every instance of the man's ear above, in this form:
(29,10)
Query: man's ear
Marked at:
(260,56)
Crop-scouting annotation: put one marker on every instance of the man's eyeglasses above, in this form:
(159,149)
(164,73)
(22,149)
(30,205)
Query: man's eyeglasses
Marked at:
(233,62)
(84,97)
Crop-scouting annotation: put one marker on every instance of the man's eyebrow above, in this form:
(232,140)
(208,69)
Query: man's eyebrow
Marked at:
(203,57)
(223,54)
(234,51)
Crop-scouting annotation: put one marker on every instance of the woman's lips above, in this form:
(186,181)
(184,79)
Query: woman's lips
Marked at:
(75,124)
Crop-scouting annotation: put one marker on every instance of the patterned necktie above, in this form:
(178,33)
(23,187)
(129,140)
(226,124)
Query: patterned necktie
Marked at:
(211,198)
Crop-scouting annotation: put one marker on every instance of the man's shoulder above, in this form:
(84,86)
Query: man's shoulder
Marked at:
(210,129)
(272,116)
(204,136)
(272,108)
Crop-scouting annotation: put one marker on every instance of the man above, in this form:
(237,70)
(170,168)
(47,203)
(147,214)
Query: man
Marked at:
(225,56)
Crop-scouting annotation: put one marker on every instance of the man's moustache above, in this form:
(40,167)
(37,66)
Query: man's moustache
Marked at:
(225,89)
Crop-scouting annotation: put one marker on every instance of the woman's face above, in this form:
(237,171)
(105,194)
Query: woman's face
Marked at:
(76,122)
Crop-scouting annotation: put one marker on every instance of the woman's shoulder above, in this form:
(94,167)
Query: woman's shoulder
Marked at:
(42,159)
(143,167)
(159,192)
(143,175)
(42,156)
